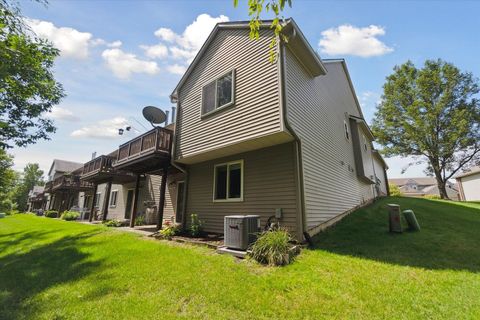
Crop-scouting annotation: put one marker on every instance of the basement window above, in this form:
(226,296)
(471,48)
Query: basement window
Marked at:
(219,93)
(113,198)
(228,181)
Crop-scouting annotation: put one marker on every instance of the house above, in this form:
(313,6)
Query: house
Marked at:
(36,198)
(285,139)
(63,185)
(469,184)
(422,186)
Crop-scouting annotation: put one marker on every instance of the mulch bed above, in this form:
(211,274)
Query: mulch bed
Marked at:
(210,240)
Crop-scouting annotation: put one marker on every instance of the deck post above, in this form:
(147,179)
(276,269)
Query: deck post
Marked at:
(106,201)
(94,199)
(133,214)
(161,204)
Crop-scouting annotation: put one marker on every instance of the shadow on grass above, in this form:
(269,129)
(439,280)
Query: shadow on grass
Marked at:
(23,275)
(449,238)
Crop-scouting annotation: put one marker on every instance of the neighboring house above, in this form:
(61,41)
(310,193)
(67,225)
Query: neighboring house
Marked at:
(469,184)
(285,139)
(36,199)
(422,186)
(255,137)
(63,185)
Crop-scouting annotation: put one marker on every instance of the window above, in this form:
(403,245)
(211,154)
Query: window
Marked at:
(218,93)
(345,127)
(365,145)
(97,199)
(113,198)
(228,181)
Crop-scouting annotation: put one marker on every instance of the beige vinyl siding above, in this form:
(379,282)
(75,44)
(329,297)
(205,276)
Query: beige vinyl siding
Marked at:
(316,109)
(255,112)
(269,183)
(471,187)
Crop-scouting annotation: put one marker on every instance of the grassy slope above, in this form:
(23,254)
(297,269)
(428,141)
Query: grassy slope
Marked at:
(51,269)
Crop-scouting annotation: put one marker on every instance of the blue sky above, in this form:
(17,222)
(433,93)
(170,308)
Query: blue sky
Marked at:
(118,56)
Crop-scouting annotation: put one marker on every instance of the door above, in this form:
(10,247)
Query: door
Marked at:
(128,205)
(179,205)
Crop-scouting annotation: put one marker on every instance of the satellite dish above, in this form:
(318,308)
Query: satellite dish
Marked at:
(154,115)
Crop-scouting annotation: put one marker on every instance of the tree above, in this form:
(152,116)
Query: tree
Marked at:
(28,89)
(8,178)
(255,10)
(31,176)
(432,114)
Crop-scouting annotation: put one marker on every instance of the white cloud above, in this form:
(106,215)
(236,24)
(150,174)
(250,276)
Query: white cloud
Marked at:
(350,40)
(176,69)
(166,34)
(124,64)
(71,43)
(156,51)
(59,113)
(115,44)
(104,129)
(186,45)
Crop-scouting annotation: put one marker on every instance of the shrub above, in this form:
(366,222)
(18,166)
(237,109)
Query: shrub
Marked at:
(432,196)
(394,190)
(169,231)
(196,226)
(51,214)
(70,215)
(12,212)
(140,220)
(274,248)
(113,223)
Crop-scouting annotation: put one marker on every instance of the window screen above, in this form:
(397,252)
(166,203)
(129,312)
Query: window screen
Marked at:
(228,181)
(224,90)
(218,93)
(113,198)
(208,97)
(221,182)
(235,181)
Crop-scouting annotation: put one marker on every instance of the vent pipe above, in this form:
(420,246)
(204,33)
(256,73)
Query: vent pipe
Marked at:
(166,118)
(173,114)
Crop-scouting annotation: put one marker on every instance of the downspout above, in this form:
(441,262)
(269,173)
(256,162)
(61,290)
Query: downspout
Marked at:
(174,99)
(298,144)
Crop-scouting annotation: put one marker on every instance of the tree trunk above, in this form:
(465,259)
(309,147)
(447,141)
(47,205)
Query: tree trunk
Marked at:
(441,186)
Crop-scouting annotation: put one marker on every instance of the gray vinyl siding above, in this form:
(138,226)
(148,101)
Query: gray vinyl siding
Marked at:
(269,183)
(256,111)
(316,109)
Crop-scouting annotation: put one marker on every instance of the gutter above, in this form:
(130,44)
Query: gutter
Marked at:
(298,144)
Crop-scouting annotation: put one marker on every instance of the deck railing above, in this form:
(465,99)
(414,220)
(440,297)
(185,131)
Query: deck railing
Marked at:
(158,140)
(73,182)
(48,186)
(99,164)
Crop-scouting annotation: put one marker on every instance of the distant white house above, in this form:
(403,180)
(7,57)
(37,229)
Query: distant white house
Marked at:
(419,187)
(469,184)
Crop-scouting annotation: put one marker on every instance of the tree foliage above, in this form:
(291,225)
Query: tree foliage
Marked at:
(431,113)
(31,176)
(28,89)
(8,179)
(255,10)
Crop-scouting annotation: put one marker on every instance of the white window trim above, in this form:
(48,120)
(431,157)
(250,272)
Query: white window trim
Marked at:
(202,115)
(346,130)
(228,181)
(116,199)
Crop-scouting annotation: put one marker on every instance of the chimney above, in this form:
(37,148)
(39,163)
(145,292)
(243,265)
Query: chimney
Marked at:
(173,114)
(94,155)
(166,118)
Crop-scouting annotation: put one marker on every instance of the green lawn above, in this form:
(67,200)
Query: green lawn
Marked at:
(52,269)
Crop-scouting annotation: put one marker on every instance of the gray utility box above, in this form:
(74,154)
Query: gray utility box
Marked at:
(240,231)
